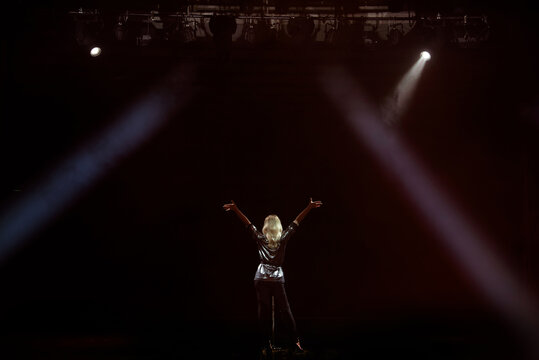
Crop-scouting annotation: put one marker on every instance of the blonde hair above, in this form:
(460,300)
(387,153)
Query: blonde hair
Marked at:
(272,230)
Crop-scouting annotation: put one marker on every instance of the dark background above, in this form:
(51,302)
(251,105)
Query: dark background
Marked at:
(147,264)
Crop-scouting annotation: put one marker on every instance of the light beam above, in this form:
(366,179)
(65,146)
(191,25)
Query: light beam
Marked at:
(395,105)
(82,169)
(464,241)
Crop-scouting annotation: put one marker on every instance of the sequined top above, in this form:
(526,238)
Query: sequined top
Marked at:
(271,259)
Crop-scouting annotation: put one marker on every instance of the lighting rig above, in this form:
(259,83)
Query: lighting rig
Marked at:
(364,25)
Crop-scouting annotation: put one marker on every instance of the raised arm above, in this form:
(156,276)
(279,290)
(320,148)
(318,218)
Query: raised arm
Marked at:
(312,205)
(232,206)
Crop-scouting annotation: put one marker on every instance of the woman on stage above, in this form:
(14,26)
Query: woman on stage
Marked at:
(269,277)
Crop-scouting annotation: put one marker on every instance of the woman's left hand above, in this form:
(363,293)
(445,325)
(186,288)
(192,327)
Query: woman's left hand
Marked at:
(230,206)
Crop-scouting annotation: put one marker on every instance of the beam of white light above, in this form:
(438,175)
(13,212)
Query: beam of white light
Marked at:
(468,246)
(398,103)
(78,172)
(425,55)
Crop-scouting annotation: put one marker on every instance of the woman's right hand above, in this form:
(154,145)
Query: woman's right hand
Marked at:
(314,204)
(230,206)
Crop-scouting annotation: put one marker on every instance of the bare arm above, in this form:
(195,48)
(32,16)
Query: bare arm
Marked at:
(312,205)
(232,206)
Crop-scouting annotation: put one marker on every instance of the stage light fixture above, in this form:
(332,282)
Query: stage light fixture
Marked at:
(425,55)
(95,51)
(120,29)
(88,27)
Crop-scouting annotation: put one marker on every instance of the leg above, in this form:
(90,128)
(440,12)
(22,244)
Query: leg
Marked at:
(263,296)
(281,302)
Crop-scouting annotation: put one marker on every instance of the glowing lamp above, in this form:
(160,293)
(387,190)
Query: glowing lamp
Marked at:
(96,51)
(425,55)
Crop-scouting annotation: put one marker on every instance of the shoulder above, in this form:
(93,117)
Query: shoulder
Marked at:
(254,231)
(290,229)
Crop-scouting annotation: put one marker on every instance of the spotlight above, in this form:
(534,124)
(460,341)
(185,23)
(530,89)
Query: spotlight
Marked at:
(96,51)
(88,28)
(425,55)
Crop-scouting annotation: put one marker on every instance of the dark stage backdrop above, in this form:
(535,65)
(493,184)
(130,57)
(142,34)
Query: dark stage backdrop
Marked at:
(149,249)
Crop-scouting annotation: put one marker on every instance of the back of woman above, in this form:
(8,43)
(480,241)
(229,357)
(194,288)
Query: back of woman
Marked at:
(269,277)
